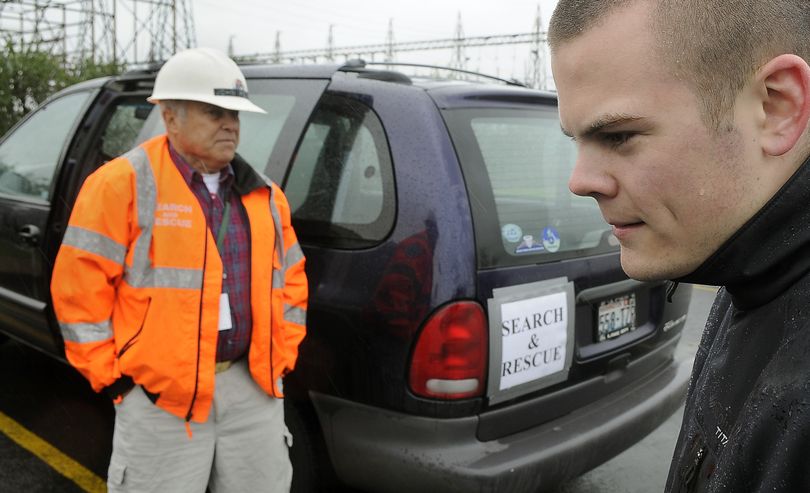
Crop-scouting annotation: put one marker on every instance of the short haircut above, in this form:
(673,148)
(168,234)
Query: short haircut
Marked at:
(713,46)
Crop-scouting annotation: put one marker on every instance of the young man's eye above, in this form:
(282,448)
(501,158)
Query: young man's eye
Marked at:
(616,139)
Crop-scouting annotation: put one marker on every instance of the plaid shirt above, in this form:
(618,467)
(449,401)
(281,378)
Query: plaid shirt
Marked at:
(232,343)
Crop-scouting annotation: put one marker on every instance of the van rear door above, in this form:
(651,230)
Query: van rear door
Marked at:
(562,314)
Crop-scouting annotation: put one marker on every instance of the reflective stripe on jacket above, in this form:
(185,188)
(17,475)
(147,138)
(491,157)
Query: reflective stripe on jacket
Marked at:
(137,281)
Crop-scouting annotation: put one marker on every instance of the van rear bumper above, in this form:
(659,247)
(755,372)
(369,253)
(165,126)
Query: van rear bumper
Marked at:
(379,450)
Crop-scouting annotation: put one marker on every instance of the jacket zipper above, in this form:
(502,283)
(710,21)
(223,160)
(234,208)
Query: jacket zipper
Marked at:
(691,473)
(199,323)
(272,273)
(131,340)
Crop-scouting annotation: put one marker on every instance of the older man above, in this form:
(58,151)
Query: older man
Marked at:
(180,290)
(691,119)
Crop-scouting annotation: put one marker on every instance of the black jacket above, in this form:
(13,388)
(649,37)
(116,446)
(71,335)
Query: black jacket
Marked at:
(746,426)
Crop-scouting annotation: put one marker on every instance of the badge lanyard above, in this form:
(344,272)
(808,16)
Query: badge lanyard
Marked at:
(223,227)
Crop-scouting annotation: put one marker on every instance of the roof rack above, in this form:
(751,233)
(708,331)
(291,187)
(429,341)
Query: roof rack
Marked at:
(359,63)
(145,68)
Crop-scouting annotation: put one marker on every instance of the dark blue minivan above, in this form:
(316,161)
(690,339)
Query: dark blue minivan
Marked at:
(469,326)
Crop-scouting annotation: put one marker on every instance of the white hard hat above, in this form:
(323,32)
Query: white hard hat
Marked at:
(206,75)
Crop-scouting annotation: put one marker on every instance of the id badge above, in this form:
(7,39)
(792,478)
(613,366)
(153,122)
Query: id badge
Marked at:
(224,312)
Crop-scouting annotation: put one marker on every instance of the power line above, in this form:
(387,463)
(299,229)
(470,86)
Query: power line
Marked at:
(406,46)
(534,73)
(458,45)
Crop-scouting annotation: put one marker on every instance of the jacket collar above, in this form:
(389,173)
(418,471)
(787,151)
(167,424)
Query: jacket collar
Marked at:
(188,172)
(247,179)
(767,254)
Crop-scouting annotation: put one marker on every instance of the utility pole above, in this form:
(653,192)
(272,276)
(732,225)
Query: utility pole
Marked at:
(389,42)
(277,57)
(92,32)
(114,40)
(174,26)
(537,72)
(135,31)
(64,34)
(36,36)
(459,58)
(330,44)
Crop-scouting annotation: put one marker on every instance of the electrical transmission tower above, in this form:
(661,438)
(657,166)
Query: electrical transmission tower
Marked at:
(118,31)
(166,25)
(46,26)
(533,72)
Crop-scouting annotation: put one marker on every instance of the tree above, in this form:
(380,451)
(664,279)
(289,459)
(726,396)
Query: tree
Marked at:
(28,75)
(87,69)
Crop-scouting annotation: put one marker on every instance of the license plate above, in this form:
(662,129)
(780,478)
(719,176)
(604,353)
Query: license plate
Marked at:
(616,316)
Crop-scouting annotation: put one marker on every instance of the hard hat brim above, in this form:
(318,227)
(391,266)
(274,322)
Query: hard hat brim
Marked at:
(235,103)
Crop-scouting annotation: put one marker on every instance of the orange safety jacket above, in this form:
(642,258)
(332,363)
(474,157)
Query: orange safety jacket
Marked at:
(137,281)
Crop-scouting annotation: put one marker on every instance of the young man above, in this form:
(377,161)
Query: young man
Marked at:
(180,291)
(690,119)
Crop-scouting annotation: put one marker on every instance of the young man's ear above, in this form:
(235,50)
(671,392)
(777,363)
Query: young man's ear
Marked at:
(786,103)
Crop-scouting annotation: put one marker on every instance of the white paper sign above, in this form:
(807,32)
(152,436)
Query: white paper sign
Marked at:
(534,338)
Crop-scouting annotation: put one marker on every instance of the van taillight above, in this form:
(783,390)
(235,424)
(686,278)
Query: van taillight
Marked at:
(450,357)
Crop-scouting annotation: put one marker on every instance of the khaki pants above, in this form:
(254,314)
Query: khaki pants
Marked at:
(243,447)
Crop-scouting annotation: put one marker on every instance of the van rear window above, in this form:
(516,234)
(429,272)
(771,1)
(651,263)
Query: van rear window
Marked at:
(516,164)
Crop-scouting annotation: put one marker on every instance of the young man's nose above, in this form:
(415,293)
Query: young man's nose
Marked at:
(589,179)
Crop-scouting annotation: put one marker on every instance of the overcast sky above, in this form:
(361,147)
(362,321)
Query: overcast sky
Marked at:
(304,24)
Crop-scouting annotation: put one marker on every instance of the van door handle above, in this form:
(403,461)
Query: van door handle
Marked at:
(29,234)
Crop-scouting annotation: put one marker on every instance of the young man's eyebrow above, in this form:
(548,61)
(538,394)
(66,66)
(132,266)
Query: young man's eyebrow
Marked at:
(604,122)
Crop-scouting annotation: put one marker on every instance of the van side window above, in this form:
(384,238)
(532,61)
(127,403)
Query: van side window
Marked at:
(30,154)
(341,186)
(122,130)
